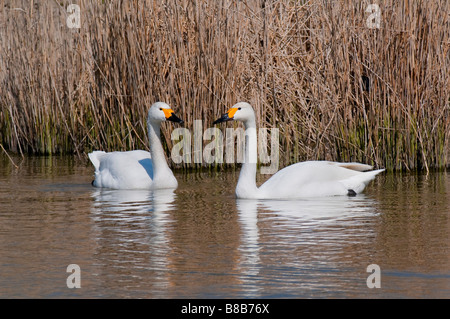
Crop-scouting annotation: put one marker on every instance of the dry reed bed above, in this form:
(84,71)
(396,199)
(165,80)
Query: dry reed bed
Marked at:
(303,65)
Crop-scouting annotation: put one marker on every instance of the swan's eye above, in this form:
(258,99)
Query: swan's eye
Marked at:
(160,108)
(239,108)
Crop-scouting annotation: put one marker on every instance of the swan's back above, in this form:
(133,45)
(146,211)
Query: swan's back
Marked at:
(122,170)
(318,178)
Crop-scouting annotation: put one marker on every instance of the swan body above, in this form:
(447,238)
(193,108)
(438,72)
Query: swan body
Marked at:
(122,170)
(138,169)
(316,178)
(300,180)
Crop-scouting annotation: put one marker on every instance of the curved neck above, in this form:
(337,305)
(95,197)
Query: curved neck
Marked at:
(156,150)
(246,186)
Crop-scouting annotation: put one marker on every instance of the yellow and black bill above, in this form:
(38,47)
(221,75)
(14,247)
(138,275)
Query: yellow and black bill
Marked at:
(170,116)
(229,116)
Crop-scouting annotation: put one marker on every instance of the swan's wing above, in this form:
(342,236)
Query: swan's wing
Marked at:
(317,178)
(122,170)
(305,172)
(137,154)
(144,159)
(353,166)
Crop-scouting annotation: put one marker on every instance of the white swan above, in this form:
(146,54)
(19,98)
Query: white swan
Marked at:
(305,179)
(138,169)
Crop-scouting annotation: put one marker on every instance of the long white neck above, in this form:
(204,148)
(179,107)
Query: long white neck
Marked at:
(160,167)
(246,186)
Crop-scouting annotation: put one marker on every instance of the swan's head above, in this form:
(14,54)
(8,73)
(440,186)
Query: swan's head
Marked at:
(241,111)
(160,112)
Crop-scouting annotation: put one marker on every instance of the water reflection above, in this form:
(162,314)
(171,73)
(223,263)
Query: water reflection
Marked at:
(132,237)
(249,249)
(321,210)
(200,242)
(160,200)
(294,226)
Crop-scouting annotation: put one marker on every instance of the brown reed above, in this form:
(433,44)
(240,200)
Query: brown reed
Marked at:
(336,88)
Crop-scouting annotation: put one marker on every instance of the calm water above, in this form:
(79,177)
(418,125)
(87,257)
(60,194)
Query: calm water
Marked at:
(201,242)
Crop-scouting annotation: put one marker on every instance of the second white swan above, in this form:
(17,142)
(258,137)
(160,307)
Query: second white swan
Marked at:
(138,169)
(305,179)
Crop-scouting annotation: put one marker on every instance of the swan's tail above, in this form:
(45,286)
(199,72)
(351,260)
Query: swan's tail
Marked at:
(95,158)
(358,182)
(371,174)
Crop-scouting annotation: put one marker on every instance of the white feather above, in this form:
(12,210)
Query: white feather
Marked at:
(136,169)
(305,179)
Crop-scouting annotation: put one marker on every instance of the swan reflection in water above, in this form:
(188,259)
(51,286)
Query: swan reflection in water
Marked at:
(139,209)
(139,238)
(297,228)
(141,200)
(132,233)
